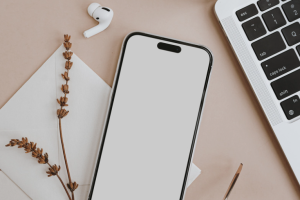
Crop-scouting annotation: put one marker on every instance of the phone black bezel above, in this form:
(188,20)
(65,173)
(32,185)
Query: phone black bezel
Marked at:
(113,96)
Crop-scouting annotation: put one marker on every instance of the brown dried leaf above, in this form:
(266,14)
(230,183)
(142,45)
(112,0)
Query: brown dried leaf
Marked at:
(53,170)
(33,146)
(42,160)
(68,45)
(63,101)
(30,147)
(68,55)
(66,113)
(62,113)
(67,37)
(72,186)
(65,89)
(68,65)
(66,76)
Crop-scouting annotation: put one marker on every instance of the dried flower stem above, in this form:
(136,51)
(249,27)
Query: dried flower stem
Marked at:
(64,187)
(30,147)
(65,156)
(63,102)
(62,184)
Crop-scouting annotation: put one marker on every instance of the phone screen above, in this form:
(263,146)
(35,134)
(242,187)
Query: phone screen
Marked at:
(153,119)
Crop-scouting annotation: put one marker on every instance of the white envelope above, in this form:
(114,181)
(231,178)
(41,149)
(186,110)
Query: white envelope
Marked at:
(9,190)
(31,113)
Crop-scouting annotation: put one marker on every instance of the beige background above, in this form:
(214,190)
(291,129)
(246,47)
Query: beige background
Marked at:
(234,128)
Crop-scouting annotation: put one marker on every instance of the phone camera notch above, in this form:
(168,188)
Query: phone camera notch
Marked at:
(169,47)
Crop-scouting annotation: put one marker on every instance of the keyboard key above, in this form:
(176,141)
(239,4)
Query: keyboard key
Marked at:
(281,64)
(287,85)
(292,33)
(254,28)
(274,19)
(292,10)
(298,49)
(268,46)
(247,12)
(266,4)
(291,107)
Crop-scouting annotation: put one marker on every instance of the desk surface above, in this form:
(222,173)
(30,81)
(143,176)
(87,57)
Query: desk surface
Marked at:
(234,128)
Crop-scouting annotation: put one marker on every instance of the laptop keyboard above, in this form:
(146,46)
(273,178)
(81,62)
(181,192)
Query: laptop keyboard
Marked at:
(280,64)
(254,28)
(268,46)
(292,10)
(274,19)
(279,22)
(266,4)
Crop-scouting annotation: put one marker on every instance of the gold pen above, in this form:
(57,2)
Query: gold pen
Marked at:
(237,174)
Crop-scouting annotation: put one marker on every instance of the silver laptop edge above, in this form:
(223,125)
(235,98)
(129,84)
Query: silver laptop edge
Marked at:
(286,131)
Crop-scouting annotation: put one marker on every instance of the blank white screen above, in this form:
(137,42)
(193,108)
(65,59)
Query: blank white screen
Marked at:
(152,122)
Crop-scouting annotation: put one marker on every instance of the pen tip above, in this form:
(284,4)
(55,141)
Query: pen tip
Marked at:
(240,168)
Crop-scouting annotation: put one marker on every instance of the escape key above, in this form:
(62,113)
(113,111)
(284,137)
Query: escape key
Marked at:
(247,12)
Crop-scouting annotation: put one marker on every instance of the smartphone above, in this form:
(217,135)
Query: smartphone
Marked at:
(152,121)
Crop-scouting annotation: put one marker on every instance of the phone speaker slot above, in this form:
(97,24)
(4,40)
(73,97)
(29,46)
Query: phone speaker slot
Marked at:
(169,47)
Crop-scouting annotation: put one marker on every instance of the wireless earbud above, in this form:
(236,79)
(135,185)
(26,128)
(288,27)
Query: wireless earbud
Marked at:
(101,14)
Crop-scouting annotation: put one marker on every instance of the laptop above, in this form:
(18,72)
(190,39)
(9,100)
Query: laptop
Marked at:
(265,36)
